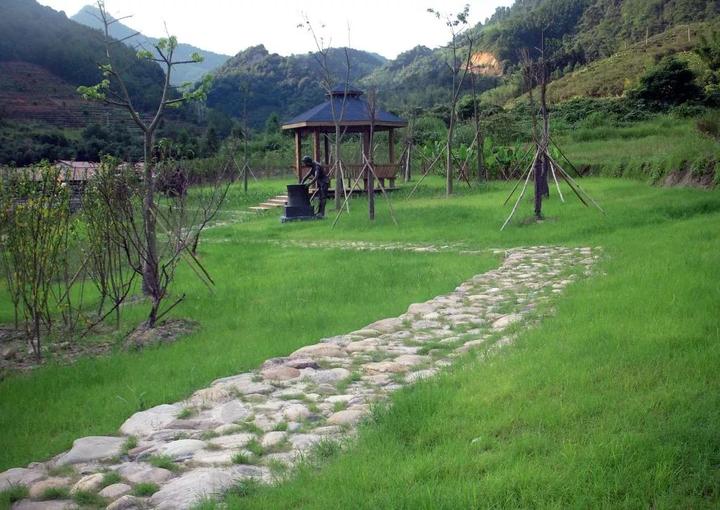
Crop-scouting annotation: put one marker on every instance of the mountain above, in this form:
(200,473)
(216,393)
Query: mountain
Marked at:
(576,32)
(263,83)
(46,38)
(582,31)
(89,16)
(420,78)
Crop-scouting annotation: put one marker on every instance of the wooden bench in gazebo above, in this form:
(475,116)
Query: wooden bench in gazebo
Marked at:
(346,108)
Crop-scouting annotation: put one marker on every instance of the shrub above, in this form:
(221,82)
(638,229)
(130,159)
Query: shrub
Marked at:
(670,82)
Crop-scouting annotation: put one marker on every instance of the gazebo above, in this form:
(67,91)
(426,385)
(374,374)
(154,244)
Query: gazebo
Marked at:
(353,114)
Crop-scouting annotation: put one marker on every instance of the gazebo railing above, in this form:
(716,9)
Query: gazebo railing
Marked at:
(382,170)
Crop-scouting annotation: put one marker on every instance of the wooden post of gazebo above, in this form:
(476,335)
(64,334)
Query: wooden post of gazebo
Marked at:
(391,153)
(316,146)
(298,154)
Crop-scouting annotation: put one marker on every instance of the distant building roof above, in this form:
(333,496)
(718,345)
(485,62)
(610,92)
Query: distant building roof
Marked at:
(77,170)
(85,170)
(344,104)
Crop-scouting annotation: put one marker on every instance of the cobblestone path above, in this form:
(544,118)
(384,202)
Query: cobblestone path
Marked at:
(256,424)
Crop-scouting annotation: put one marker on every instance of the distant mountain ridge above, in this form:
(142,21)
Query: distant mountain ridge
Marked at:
(89,14)
(44,37)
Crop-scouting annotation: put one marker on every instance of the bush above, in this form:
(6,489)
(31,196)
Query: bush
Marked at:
(670,82)
(429,129)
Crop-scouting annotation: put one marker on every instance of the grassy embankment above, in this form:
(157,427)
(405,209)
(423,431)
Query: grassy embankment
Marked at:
(646,150)
(614,401)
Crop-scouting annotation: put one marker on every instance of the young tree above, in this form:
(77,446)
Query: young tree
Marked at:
(36,216)
(460,48)
(113,91)
(328,81)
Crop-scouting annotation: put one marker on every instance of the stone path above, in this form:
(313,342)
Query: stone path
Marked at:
(258,424)
(458,248)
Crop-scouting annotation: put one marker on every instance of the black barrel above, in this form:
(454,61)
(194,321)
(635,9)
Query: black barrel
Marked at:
(298,206)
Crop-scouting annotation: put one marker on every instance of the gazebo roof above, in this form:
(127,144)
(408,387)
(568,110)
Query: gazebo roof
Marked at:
(355,113)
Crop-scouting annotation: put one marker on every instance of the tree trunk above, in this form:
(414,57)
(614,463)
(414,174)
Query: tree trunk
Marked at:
(448,161)
(538,170)
(150,260)
(408,161)
(339,184)
(36,334)
(369,176)
(152,318)
(478,134)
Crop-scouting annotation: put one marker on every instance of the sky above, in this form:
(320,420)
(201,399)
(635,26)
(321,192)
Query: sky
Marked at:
(387,27)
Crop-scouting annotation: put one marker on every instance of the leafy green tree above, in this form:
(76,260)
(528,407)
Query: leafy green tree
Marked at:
(211,143)
(671,82)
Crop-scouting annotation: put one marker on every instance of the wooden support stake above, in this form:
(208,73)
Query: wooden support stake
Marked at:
(562,171)
(522,193)
(557,184)
(352,189)
(387,197)
(529,168)
(427,171)
(565,158)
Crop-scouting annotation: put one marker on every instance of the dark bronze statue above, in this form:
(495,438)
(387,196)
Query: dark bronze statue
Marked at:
(319,177)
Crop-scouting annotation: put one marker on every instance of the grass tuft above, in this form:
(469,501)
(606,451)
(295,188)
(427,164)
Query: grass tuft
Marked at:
(55,493)
(145,489)
(88,499)
(110,478)
(164,462)
(11,495)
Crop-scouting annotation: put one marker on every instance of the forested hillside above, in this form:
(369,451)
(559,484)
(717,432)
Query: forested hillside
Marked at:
(576,32)
(39,35)
(263,83)
(88,16)
(581,31)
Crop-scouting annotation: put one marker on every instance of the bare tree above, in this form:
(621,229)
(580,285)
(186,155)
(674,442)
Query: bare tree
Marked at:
(113,91)
(207,201)
(328,82)
(460,48)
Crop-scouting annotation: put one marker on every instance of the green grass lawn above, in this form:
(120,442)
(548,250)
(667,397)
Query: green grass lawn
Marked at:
(614,401)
